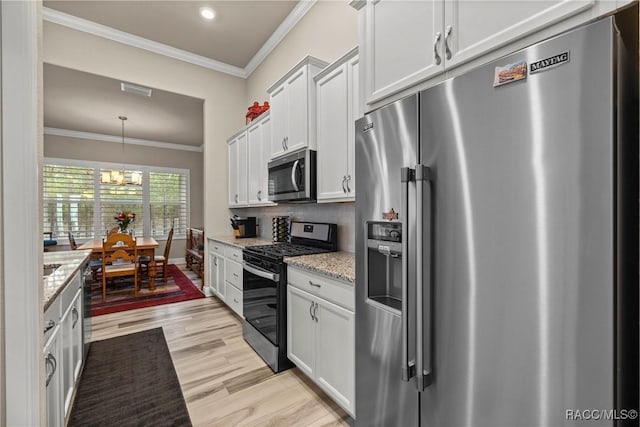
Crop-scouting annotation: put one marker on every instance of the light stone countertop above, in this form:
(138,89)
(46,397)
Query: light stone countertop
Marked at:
(243,242)
(337,265)
(70,262)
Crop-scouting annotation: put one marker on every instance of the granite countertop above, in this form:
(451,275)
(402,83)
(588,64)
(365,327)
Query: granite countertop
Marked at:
(243,242)
(70,262)
(337,265)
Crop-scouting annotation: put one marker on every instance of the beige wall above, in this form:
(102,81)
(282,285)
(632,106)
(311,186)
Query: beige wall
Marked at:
(327,31)
(82,149)
(223,97)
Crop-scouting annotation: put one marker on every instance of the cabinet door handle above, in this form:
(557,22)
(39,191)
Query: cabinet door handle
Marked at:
(75,316)
(348,179)
(236,301)
(51,361)
(283,147)
(258,195)
(49,325)
(311,311)
(435,48)
(236,198)
(344,190)
(446,41)
(315,308)
(215,261)
(286,142)
(317,285)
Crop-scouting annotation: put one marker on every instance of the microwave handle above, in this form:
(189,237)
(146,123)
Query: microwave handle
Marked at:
(294,169)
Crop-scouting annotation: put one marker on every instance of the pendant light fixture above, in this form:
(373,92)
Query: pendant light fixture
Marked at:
(119,177)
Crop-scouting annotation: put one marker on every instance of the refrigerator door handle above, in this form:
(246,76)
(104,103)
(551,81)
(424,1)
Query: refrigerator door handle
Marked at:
(408,366)
(423,278)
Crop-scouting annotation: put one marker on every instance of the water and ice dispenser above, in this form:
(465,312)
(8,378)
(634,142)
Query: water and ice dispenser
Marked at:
(384,263)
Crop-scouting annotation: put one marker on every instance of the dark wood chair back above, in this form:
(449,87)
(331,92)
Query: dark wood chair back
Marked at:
(72,242)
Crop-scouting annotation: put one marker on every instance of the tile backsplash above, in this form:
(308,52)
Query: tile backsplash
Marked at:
(342,214)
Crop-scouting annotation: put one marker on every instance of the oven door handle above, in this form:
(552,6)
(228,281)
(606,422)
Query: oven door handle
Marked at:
(261,273)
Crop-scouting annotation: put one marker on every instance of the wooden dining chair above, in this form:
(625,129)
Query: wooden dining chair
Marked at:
(159,259)
(119,259)
(95,264)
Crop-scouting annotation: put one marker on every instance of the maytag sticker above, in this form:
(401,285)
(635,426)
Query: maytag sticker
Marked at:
(367,127)
(552,61)
(510,73)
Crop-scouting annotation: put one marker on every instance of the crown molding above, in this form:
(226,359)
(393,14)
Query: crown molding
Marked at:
(118,139)
(100,30)
(279,34)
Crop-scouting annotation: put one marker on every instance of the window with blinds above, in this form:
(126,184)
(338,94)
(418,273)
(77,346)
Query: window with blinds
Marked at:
(168,203)
(116,198)
(68,200)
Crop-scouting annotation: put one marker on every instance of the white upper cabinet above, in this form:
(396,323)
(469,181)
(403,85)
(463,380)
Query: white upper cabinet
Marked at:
(292,101)
(249,151)
(472,28)
(402,45)
(407,42)
(238,170)
(338,107)
(258,152)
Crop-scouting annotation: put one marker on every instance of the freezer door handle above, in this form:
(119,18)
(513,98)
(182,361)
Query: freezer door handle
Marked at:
(423,277)
(408,366)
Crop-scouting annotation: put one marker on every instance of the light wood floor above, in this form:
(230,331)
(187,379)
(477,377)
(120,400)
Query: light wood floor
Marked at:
(224,382)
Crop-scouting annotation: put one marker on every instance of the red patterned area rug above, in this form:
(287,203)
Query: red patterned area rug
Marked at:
(178,288)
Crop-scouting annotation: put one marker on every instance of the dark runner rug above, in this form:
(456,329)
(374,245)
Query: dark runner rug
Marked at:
(178,288)
(130,381)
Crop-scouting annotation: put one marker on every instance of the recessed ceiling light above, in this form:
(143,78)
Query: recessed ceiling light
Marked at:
(207,13)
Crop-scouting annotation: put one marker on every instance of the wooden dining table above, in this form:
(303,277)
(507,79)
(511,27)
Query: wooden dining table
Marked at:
(146,246)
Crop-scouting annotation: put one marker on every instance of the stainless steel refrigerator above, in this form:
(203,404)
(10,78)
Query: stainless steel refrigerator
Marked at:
(497,244)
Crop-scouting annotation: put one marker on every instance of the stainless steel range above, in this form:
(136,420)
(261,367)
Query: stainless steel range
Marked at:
(265,288)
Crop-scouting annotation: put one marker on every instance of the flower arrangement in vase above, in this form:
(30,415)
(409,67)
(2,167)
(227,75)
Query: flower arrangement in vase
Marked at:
(123,219)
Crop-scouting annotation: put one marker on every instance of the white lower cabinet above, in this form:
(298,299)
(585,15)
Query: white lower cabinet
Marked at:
(301,348)
(53,381)
(71,362)
(63,350)
(225,274)
(321,334)
(216,270)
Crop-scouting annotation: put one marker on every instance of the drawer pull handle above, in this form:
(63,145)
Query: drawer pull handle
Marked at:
(236,301)
(317,285)
(49,325)
(50,360)
(235,275)
(75,316)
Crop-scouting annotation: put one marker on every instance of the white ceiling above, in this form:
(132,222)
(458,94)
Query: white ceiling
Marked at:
(82,102)
(234,36)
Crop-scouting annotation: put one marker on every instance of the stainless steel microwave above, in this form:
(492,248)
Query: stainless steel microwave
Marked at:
(292,178)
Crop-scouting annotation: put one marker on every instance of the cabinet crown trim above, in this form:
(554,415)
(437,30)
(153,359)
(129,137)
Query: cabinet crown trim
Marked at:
(307,60)
(246,127)
(357,4)
(336,64)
